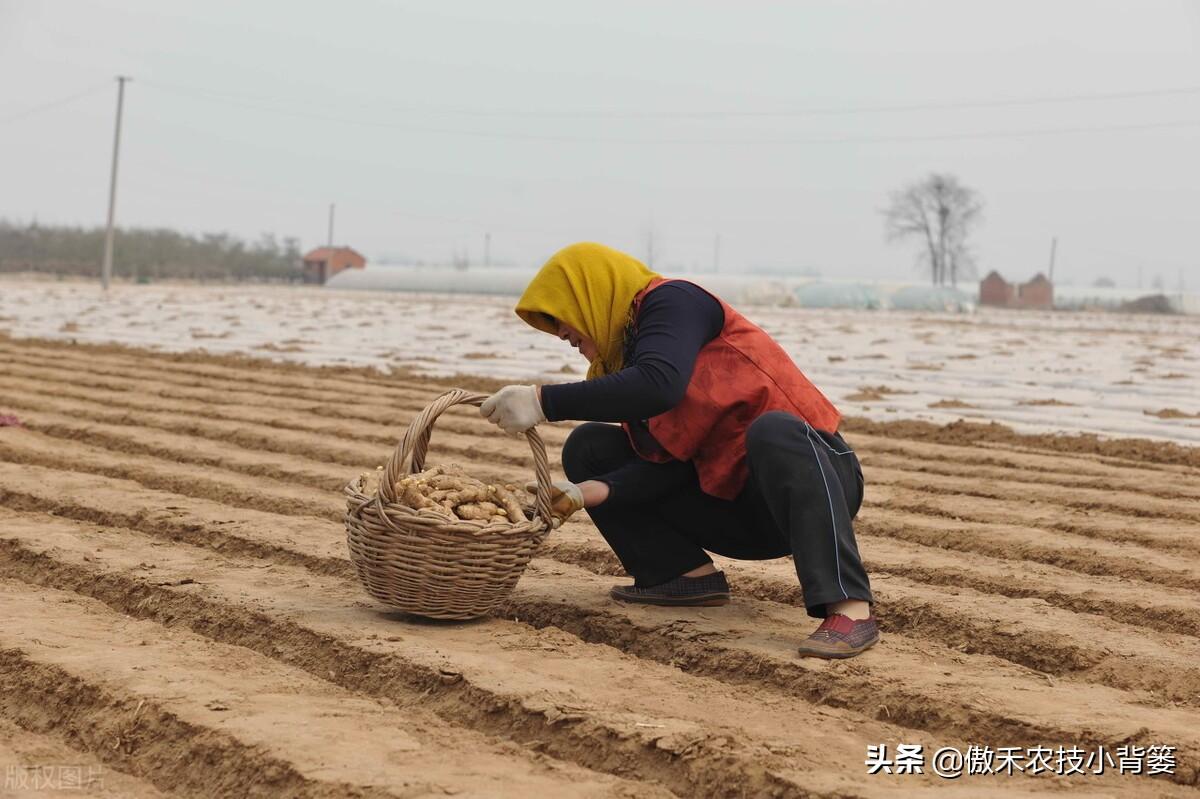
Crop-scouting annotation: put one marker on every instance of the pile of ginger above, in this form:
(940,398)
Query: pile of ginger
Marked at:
(448,490)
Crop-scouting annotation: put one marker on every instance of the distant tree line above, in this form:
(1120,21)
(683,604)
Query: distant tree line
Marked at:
(147,254)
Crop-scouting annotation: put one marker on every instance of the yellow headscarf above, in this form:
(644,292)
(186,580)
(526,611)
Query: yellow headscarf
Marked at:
(590,287)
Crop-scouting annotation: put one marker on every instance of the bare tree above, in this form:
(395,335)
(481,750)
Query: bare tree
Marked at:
(940,212)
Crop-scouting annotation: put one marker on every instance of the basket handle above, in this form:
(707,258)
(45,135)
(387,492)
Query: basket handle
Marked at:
(410,452)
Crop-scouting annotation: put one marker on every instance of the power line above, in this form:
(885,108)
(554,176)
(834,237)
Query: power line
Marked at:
(939,105)
(354,121)
(832,111)
(1008,134)
(54,103)
(922,105)
(966,135)
(932,105)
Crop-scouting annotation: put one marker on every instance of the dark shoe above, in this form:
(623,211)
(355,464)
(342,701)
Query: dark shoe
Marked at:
(840,637)
(711,589)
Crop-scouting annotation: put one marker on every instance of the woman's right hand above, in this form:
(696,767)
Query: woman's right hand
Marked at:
(567,498)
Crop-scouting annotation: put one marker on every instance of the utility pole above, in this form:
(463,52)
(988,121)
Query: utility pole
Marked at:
(327,264)
(1053,251)
(106,265)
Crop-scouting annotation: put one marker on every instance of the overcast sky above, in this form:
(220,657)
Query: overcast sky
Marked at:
(431,124)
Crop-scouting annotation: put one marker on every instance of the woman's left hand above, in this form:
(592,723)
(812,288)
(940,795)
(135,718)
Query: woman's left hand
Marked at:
(514,409)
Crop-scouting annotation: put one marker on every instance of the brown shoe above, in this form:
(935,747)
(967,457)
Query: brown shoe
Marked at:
(711,589)
(840,637)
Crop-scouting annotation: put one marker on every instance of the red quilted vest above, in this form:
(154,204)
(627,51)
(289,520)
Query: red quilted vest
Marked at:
(739,375)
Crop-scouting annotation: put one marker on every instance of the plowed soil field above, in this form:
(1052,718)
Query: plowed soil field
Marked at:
(178,615)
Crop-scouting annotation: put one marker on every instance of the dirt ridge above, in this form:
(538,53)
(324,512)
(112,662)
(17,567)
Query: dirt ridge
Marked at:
(1032,590)
(734,664)
(139,738)
(1140,451)
(279,639)
(589,744)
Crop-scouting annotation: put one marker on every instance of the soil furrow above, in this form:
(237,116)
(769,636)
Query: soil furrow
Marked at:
(171,535)
(37,766)
(1166,533)
(26,488)
(264,497)
(1125,453)
(257,428)
(366,412)
(318,625)
(970,502)
(923,522)
(179,604)
(127,733)
(182,448)
(166,475)
(367,409)
(1133,453)
(1129,507)
(1177,537)
(113,685)
(1018,544)
(367,429)
(1024,465)
(1045,651)
(116,378)
(956,707)
(1123,599)
(535,599)
(1027,633)
(1128,601)
(206,366)
(230,385)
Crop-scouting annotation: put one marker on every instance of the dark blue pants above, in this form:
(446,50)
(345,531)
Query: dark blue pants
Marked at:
(805,487)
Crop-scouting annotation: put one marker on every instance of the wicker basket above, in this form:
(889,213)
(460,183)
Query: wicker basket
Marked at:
(419,561)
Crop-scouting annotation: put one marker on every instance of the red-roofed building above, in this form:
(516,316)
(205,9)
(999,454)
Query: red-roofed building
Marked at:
(997,292)
(994,290)
(325,262)
(1037,293)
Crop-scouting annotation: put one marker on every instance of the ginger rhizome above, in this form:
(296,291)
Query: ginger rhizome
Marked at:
(448,490)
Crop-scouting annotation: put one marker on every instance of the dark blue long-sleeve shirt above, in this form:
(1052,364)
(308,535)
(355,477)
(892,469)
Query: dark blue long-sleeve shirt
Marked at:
(676,320)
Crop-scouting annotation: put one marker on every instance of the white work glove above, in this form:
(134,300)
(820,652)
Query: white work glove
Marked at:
(514,409)
(565,497)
